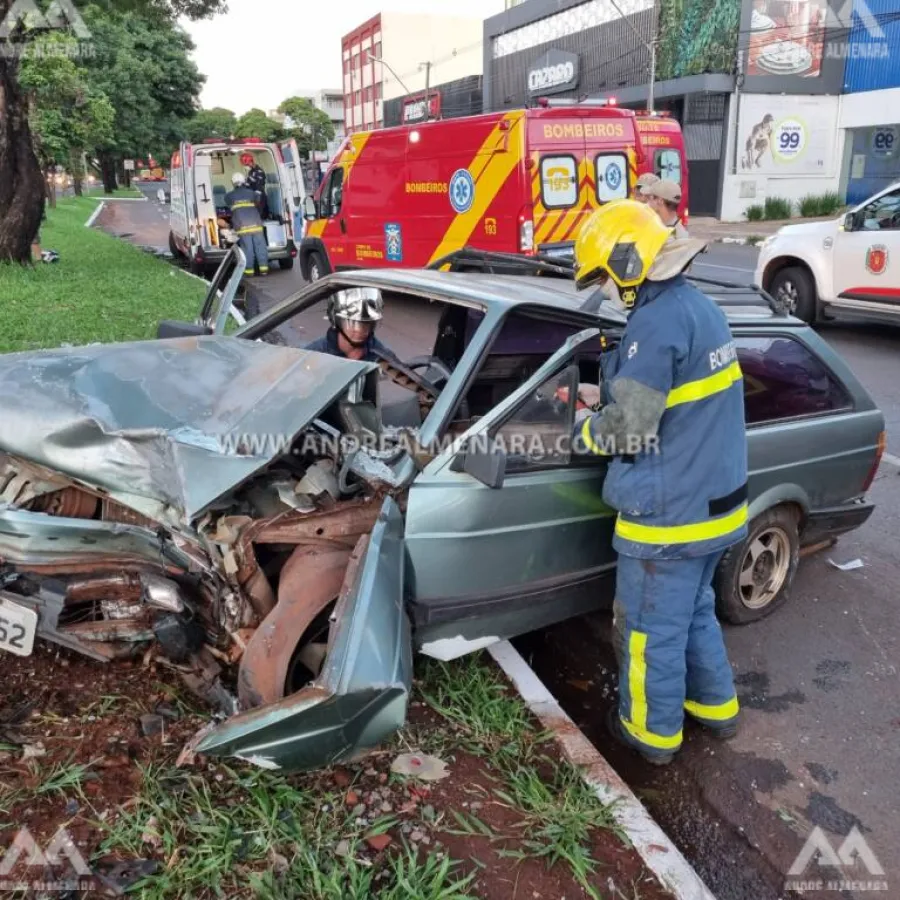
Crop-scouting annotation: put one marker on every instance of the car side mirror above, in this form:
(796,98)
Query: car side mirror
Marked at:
(309,209)
(487,465)
(850,222)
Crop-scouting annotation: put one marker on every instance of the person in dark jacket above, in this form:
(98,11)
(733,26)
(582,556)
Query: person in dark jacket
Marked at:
(671,421)
(256,181)
(247,224)
(354,315)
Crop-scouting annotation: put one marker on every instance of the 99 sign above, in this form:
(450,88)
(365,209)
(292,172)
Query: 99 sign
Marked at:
(790,140)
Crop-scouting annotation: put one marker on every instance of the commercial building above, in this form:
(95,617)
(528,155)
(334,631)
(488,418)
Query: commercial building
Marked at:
(397,56)
(587,49)
(782,98)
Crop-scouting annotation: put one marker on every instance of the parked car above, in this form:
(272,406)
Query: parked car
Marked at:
(285,528)
(849,266)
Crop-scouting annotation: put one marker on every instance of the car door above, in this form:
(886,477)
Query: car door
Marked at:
(331,225)
(292,184)
(867,259)
(487,563)
(362,691)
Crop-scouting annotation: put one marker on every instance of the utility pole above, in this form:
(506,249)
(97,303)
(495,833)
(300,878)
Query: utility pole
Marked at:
(651,47)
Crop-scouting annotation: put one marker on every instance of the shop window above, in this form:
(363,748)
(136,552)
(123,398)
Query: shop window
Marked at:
(667,164)
(611,176)
(559,181)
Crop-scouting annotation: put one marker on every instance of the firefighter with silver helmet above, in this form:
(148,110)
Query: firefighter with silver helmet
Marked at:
(354,314)
(670,419)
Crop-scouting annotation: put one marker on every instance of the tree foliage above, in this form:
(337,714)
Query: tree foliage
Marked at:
(212,123)
(310,126)
(255,123)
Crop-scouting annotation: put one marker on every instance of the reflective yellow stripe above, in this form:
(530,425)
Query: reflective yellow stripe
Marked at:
(248,271)
(243,204)
(589,439)
(636,724)
(492,165)
(704,387)
(719,712)
(251,229)
(682,534)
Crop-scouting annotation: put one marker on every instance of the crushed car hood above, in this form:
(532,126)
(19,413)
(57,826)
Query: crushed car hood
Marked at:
(162,419)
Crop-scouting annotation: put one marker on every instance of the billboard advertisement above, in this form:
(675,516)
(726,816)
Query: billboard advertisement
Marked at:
(787,37)
(696,36)
(787,135)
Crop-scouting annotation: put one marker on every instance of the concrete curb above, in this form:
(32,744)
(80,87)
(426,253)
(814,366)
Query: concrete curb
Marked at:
(657,851)
(892,460)
(95,214)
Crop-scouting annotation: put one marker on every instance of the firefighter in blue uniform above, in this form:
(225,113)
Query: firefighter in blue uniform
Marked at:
(247,224)
(671,419)
(353,315)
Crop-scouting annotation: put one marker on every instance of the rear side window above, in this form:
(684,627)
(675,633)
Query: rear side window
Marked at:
(559,181)
(783,379)
(332,195)
(611,176)
(667,164)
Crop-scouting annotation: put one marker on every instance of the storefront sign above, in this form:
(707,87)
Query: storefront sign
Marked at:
(418,109)
(556,71)
(885,140)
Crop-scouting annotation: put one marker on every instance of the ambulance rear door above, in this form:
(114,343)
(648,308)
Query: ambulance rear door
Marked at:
(293,186)
(559,172)
(663,145)
(207,229)
(179,200)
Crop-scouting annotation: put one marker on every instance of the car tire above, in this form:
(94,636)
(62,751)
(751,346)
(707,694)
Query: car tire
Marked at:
(287,264)
(173,247)
(795,287)
(755,577)
(317,269)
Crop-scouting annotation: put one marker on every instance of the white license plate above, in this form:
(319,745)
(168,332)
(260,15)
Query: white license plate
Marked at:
(18,625)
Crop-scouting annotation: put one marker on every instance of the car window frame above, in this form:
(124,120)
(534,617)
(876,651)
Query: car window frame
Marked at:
(804,417)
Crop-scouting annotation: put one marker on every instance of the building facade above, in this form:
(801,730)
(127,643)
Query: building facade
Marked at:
(400,55)
(597,49)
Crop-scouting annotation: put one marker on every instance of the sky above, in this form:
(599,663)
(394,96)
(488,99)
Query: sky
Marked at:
(260,51)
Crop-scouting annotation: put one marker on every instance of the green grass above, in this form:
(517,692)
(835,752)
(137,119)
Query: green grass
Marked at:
(755,213)
(818,205)
(102,289)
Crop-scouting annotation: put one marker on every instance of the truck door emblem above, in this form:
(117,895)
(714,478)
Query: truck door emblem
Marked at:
(462,191)
(877,259)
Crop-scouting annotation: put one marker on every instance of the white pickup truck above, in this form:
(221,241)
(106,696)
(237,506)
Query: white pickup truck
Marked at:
(848,266)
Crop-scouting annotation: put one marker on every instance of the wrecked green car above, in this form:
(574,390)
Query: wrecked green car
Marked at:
(285,528)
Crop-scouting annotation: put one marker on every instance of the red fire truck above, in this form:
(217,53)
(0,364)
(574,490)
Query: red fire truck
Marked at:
(509,182)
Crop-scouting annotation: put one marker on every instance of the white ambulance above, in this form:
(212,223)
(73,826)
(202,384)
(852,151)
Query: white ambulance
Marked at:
(200,178)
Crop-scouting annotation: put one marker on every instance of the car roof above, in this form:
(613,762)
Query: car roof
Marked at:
(742,307)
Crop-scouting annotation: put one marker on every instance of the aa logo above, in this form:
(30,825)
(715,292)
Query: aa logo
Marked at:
(61,847)
(853,850)
(842,18)
(27,16)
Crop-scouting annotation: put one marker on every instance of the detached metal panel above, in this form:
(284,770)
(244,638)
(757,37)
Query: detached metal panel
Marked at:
(873,61)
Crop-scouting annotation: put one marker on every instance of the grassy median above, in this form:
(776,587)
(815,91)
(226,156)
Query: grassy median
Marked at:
(101,289)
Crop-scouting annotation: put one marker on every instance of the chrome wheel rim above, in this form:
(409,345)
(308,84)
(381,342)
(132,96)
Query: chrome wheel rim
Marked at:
(789,296)
(314,272)
(764,569)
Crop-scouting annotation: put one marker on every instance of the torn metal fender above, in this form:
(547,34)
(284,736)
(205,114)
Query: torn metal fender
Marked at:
(309,581)
(362,692)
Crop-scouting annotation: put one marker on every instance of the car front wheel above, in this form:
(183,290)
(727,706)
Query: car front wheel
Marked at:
(795,289)
(755,577)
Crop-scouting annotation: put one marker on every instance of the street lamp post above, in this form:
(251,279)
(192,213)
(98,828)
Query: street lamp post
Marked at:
(378,59)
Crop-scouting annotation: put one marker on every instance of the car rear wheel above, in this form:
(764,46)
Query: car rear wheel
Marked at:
(756,576)
(794,287)
(287,263)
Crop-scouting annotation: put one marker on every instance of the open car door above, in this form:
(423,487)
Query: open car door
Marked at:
(362,691)
(218,304)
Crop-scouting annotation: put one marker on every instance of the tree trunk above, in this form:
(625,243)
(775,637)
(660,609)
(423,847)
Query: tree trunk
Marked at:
(50,181)
(21,181)
(76,164)
(108,168)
